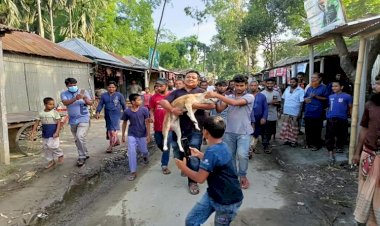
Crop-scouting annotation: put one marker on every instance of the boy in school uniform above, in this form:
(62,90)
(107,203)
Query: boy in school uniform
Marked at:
(224,195)
(340,105)
(50,121)
(138,132)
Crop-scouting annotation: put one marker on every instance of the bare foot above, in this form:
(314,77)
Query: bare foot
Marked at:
(244,183)
(60,159)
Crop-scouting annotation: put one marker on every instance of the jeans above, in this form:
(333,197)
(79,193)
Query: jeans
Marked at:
(79,132)
(133,143)
(159,138)
(194,139)
(224,214)
(239,146)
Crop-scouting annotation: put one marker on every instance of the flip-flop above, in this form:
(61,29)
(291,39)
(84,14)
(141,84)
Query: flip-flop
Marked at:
(268,151)
(166,171)
(109,150)
(132,176)
(51,164)
(193,188)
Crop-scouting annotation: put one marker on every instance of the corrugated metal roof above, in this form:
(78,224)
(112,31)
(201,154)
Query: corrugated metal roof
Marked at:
(28,43)
(353,48)
(126,61)
(86,49)
(142,63)
(5,28)
(349,29)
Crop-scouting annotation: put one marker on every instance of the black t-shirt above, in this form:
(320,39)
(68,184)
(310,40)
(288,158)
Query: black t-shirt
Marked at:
(223,182)
(186,124)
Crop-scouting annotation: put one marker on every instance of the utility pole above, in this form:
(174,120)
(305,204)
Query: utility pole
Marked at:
(40,24)
(155,43)
(248,53)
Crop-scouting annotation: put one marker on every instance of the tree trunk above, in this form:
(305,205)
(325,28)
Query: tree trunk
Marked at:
(40,24)
(71,24)
(52,35)
(374,51)
(345,60)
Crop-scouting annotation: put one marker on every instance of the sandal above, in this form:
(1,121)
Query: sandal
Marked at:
(60,159)
(166,171)
(193,188)
(267,151)
(109,150)
(307,147)
(132,176)
(116,144)
(51,164)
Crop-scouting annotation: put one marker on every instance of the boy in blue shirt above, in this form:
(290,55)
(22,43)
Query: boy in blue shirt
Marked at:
(340,105)
(138,132)
(224,195)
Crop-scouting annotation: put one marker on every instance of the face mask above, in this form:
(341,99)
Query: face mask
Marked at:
(73,89)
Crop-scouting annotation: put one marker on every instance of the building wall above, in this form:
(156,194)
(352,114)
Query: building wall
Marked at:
(28,79)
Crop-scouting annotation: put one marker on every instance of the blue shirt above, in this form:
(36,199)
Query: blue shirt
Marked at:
(260,108)
(185,122)
(77,111)
(223,183)
(339,105)
(293,101)
(137,126)
(315,108)
(115,102)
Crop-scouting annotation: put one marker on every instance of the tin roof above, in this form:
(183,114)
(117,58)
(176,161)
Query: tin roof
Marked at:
(86,49)
(5,28)
(349,29)
(142,63)
(32,44)
(126,61)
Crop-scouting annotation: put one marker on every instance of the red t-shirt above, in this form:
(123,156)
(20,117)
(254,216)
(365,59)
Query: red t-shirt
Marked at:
(147,99)
(159,112)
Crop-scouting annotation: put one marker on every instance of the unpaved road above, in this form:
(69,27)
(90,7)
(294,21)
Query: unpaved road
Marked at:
(274,198)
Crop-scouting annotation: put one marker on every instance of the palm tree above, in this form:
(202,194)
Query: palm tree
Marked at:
(9,13)
(40,23)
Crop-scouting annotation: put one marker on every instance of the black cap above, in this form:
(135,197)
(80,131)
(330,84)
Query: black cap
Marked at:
(162,81)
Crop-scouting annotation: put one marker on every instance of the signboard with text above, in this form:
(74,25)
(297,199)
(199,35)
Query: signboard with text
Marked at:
(324,15)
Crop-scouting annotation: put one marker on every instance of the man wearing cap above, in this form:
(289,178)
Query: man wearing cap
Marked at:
(157,115)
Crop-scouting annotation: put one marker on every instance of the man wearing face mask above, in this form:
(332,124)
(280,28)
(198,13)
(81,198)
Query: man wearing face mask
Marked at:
(77,102)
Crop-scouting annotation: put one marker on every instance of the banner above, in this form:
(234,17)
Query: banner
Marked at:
(324,15)
(156,59)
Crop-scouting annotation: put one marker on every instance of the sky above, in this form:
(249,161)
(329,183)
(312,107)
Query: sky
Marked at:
(182,25)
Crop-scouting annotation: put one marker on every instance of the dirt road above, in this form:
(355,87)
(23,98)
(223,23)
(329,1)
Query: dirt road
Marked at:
(274,198)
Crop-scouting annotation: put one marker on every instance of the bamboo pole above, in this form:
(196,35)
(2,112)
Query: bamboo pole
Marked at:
(355,106)
(4,142)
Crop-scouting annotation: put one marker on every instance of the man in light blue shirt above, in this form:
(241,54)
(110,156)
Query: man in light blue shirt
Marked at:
(77,102)
(293,99)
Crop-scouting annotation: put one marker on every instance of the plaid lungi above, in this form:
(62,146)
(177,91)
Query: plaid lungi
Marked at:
(289,129)
(367,208)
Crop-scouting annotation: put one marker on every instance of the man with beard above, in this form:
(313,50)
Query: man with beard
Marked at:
(193,136)
(367,152)
(274,101)
(293,99)
(259,115)
(221,88)
(231,86)
(157,115)
(238,129)
(315,102)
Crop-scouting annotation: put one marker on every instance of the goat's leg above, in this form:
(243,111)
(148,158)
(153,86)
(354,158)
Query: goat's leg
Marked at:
(190,113)
(165,130)
(177,129)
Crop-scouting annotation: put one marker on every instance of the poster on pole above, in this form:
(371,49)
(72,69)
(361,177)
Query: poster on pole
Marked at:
(324,15)
(156,59)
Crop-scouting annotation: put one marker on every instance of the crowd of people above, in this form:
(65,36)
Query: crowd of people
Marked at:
(231,126)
